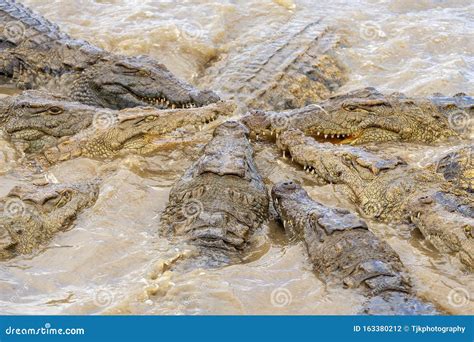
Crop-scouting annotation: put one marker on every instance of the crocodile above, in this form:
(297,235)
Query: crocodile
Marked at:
(30,215)
(221,200)
(386,189)
(293,67)
(458,167)
(52,129)
(35,54)
(343,250)
(367,116)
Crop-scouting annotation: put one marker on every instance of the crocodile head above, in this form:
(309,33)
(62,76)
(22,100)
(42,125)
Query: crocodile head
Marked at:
(363,116)
(60,129)
(299,212)
(220,201)
(124,82)
(446,219)
(31,215)
(332,163)
(458,167)
(360,173)
(383,189)
(37,119)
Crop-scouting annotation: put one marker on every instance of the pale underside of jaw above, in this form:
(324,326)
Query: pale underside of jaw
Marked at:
(155,138)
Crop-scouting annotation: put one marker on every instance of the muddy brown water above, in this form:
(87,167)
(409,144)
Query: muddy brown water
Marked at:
(111,261)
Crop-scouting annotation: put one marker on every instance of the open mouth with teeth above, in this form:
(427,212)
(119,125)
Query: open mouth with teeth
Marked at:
(160,101)
(163,103)
(336,138)
(153,134)
(307,167)
(205,122)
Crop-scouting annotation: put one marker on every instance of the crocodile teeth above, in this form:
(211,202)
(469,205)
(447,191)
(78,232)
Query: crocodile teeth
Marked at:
(318,133)
(325,136)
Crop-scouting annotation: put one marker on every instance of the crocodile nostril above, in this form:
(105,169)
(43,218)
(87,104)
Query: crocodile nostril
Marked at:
(231,124)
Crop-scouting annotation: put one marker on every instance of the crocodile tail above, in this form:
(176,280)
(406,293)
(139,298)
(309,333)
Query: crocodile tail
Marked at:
(20,24)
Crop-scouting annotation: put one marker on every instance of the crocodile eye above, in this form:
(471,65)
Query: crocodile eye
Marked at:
(55,110)
(64,198)
(58,200)
(180,217)
(143,73)
(130,70)
(349,107)
(150,118)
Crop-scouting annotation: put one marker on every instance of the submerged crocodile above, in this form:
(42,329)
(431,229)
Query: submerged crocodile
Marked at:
(31,215)
(365,116)
(53,129)
(387,190)
(343,250)
(221,199)
(292,68)
(35,54)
